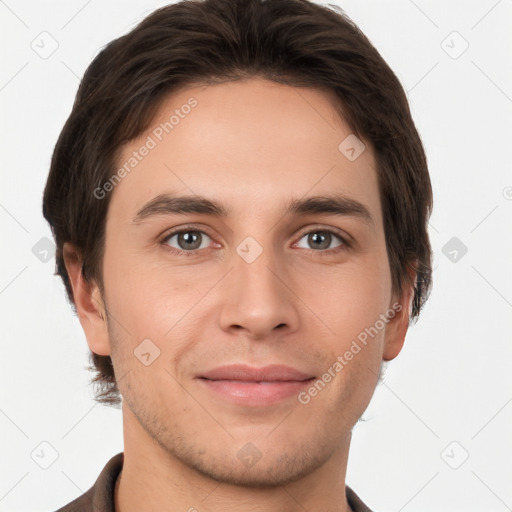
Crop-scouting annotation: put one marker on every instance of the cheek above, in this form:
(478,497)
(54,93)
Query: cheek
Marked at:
(151,300)
(353,297)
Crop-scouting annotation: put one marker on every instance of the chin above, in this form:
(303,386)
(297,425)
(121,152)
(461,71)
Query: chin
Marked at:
(270,471)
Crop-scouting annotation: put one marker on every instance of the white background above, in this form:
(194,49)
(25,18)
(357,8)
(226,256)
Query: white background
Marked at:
(452,381)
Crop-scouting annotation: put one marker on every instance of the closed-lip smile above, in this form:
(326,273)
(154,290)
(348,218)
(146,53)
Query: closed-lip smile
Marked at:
(254,387)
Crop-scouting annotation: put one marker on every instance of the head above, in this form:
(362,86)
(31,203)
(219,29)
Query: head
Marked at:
(277,112)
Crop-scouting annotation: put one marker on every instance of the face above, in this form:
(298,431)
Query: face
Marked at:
(233,323)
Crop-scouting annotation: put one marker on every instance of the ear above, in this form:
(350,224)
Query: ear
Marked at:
(89,303)
(397,326)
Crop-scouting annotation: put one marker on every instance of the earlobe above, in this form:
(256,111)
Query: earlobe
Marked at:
(395,334)
(88,302)
(397,326)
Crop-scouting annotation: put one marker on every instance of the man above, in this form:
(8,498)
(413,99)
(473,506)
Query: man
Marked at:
(240,202)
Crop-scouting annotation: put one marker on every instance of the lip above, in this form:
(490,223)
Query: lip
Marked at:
(245,373)
(256,387)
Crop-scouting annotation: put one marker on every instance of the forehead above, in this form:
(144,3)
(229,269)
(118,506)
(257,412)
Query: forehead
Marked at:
(246,143)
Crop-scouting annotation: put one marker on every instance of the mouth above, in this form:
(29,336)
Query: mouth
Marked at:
(248,386)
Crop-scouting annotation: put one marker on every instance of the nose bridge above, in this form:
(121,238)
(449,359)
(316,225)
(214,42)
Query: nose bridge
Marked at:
(258,299)
(256,265)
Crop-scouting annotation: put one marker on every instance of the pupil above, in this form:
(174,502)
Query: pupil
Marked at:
(315,237)
(189,237)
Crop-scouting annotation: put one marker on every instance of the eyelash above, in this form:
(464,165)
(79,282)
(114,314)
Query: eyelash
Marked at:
(327,252)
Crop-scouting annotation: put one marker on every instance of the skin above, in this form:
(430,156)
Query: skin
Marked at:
(253,145)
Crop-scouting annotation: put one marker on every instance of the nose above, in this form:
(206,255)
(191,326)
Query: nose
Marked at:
(258,297)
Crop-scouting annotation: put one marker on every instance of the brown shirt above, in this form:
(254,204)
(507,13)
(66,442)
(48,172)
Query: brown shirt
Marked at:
(100,497)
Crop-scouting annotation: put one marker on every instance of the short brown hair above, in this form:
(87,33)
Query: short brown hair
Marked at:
(294,42)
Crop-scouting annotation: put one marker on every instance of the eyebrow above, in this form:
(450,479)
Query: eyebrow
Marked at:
(167,204)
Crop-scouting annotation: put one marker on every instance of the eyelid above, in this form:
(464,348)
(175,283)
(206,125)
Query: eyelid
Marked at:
(182,229)
(344,236)
(164,239)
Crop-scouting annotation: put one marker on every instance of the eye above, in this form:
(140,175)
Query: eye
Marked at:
(321,240)
(187,240)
